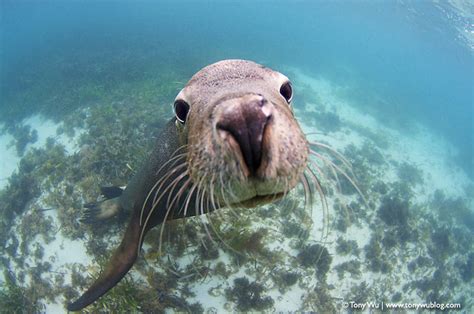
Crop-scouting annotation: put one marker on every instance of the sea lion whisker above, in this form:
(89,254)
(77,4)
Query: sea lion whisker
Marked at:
(202,212)
(198,195)
(344,174)
(157,196)
(287,201)
(314,133)
(224,197)
(211,193)
(155,205)
(338,155)
(330,165)
(178,195)
(198,211)
(292,202)
(322,196)
(169,174)
(220,215)
(318,186)
(287,188)
(276,196)
(147,198)
(307,190)
(175,182)
(188,198)
(172,158)
(154,189)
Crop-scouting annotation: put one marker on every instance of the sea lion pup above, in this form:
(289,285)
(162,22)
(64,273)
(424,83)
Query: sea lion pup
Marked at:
(234,142)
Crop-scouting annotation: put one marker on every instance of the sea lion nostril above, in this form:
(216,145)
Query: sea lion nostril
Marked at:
(246,123)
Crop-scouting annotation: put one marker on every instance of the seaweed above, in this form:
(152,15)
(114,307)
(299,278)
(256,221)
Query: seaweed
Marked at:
(360,293)
(453,210)
(365,163)
(15,298)
(285,279)
(410,174)
(248,295)
(419,262)
(22,188)
(344,217)
(394,211)
(85,79)
(380,187)
(327,121)
(316,256)
(352,267)
(432,287)
(292,228)
(23,135)
(124,297)
(250,241)
(221,270)
(396,297)
(390,239)
(375,256)
(441,244)
(345,247)
(35,223)
(319,300)
(467,270)
(12,247)
(208,253)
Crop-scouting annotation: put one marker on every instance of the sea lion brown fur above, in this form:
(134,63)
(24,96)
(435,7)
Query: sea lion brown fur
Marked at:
(233,142)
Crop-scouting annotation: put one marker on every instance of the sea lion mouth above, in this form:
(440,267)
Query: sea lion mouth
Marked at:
(242,123)
(236,150)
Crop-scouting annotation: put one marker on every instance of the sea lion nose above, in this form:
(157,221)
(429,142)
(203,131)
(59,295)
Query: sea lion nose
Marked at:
(246,120)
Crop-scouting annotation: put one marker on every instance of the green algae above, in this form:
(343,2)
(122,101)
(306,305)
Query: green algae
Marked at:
(23,135)
(319,300)
(104,158)
(122,298)
(316,256)
(248,296)
(346,247)
(15,298)
(353,267)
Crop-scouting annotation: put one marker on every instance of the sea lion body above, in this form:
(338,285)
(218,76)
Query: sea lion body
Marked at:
(234,142)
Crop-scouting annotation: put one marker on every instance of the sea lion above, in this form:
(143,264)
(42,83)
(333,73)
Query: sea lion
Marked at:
(234,142)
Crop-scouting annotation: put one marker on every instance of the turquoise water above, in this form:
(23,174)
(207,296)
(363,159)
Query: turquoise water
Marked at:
(408,52)
(86,64)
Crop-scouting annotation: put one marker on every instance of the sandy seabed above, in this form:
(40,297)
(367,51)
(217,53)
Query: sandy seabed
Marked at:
(426,152)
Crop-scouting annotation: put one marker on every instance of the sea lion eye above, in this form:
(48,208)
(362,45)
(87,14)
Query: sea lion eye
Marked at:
(181,109)
(286,91)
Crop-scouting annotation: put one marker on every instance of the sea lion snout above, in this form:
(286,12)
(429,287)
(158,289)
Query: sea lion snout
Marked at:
(244,120)
(243,143)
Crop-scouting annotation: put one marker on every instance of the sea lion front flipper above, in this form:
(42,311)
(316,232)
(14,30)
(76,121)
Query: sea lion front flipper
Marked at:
(107,208)
(120,263)
(111,191)
(96,212)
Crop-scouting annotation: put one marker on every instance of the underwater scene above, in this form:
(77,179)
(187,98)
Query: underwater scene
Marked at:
(379,217)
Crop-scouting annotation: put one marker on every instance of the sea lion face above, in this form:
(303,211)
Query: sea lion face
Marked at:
(244,145)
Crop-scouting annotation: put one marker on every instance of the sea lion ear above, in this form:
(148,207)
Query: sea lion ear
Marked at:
(181,109)
(286,90)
